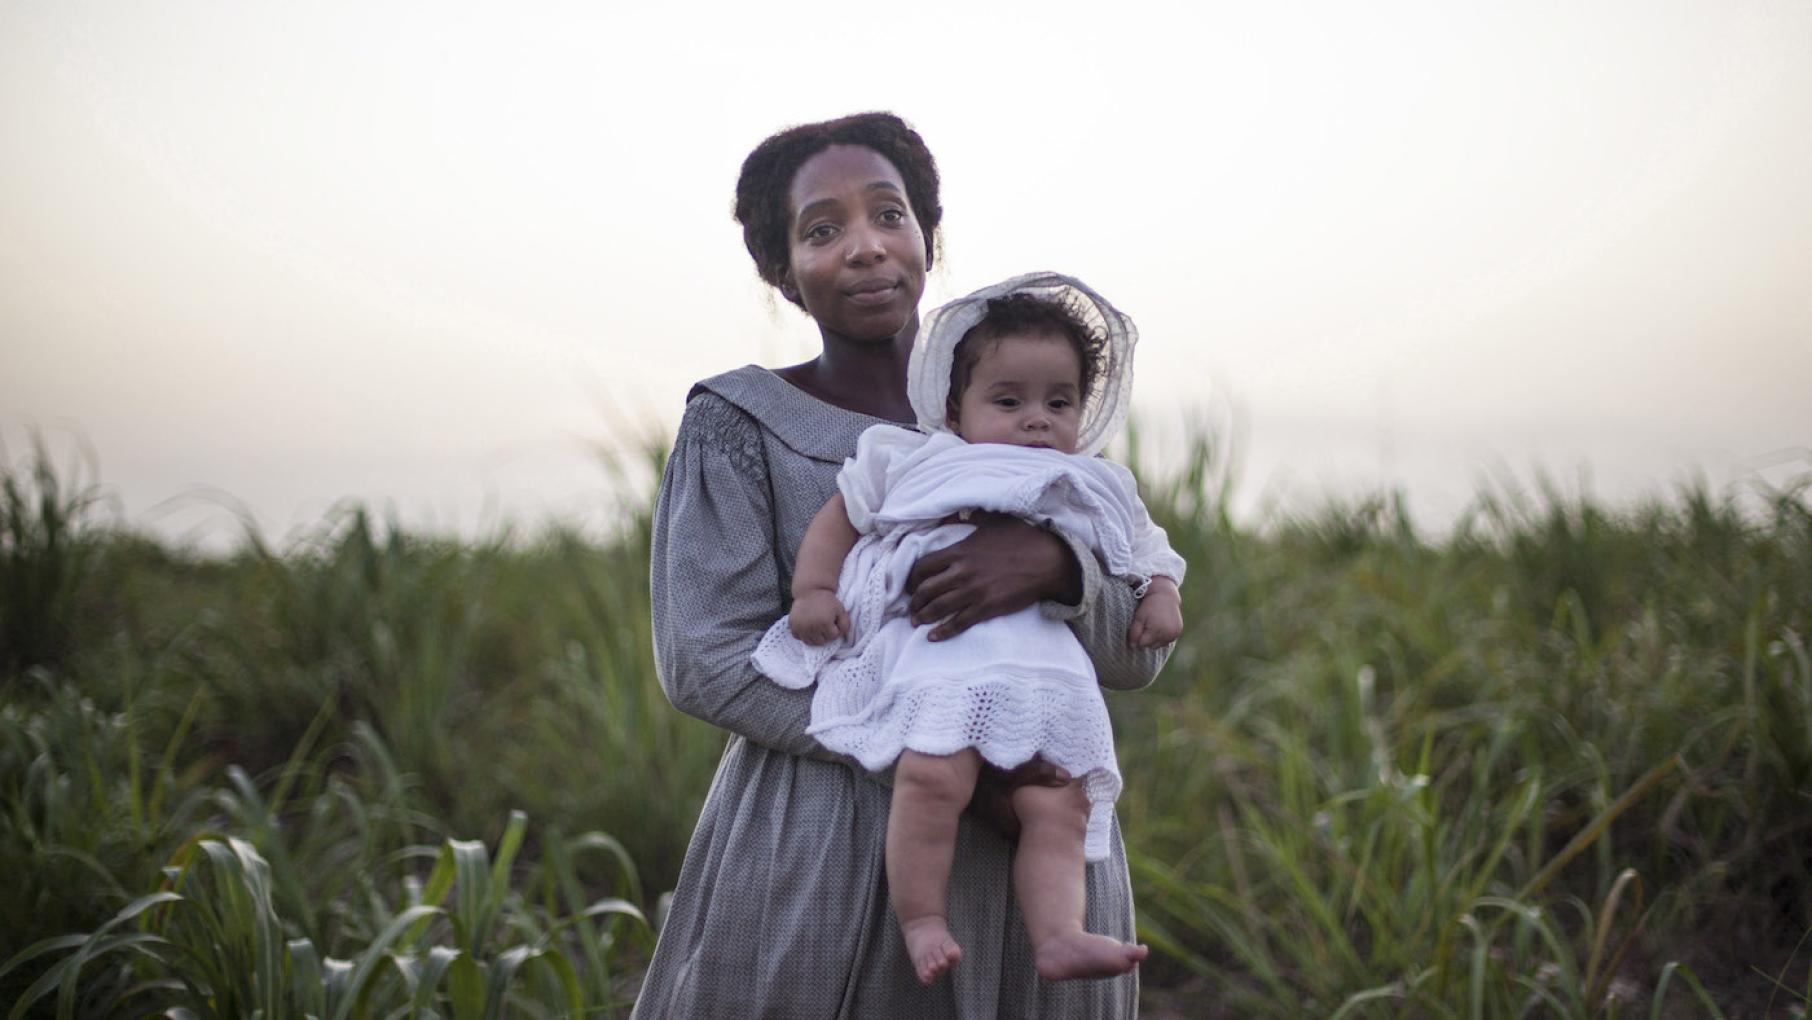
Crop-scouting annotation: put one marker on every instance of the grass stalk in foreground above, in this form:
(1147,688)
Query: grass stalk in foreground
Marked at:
(213,944)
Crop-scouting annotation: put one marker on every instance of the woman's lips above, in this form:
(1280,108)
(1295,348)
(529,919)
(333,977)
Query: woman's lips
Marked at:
(873,293)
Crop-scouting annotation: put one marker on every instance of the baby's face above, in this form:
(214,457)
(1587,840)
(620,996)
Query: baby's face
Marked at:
(1026,390)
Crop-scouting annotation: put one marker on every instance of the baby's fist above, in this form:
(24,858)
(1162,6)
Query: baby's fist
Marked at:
(818,618)
(1159,619)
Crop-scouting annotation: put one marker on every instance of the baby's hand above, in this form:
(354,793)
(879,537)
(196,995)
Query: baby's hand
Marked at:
(1159,618)
(817,617)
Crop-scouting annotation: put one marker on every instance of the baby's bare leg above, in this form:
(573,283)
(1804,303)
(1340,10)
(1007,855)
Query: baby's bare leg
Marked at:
(929,793)
(1048,878)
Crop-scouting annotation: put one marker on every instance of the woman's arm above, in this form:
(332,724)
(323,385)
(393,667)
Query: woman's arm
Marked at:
(715,581)
(1101,621)
(1008,564)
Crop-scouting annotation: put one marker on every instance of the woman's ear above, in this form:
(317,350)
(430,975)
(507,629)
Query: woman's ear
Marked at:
(787,289)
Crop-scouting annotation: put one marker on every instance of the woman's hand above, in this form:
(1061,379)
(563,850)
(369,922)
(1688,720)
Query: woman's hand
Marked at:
(993,797)
(1003,567)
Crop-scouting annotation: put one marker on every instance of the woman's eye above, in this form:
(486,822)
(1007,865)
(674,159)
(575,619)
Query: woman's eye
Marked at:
(893,216)
(821,232)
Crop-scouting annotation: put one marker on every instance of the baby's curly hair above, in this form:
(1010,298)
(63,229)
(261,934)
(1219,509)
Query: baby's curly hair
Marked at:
(1028,315)
(767,175)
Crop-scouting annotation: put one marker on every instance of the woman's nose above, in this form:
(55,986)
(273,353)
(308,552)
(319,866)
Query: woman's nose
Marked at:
(865,247)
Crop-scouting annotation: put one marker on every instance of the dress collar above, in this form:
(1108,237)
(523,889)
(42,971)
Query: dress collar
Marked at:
(803,423)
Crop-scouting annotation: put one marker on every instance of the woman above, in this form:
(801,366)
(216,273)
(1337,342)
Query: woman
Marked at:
(782,906)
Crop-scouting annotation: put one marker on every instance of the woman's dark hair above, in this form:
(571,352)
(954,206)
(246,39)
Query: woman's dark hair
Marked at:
(762,205)
(1027,315)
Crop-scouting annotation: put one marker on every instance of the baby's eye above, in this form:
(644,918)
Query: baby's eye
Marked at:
(1007,402)
(1059,403)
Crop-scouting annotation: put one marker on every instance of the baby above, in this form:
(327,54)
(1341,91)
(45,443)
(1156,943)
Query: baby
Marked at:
(1016,387)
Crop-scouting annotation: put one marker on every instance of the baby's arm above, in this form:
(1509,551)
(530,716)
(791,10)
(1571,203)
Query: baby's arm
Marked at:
(1159,618)
(816,616)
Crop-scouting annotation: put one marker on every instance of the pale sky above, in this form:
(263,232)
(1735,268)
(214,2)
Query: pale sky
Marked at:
(432,255)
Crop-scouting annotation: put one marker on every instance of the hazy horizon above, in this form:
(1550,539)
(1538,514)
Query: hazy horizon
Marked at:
(428,257)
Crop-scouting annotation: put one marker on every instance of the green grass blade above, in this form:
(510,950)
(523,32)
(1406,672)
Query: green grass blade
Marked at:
(433,971)
(1598,826)
(376,955)
(1692,981)
(96,944)
(308,989)
(466,988)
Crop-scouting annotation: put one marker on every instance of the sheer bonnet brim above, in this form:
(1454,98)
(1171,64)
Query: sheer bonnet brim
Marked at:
(933,354)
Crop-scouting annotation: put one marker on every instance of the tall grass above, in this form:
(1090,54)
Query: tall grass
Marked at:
(43,557)
(1518,770)
(464,940)
(273,746)
(1556,762)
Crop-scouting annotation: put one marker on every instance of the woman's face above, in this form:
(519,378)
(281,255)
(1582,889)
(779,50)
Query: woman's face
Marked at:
(857,253)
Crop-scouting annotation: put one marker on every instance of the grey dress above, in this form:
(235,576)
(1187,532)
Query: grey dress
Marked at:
(782,907)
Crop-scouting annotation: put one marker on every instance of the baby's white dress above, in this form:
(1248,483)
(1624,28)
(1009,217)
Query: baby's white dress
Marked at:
(1012,687)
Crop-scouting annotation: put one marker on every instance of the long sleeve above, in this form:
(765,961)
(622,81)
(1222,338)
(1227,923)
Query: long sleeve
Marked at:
(715,581)
(1101,620)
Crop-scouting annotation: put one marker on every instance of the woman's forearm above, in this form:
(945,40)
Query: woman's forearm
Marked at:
(715,582)
(1101,620)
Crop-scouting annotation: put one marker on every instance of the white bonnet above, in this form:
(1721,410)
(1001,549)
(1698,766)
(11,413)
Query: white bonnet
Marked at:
(933,353)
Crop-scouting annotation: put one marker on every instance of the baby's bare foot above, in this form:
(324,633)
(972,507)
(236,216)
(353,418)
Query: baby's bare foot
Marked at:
(932,949)
(1084,955)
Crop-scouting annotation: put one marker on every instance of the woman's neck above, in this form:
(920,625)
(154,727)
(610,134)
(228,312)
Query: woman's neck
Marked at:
(868,377)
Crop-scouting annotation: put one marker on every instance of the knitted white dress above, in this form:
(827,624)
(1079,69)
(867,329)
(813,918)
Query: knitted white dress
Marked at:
(1012,687)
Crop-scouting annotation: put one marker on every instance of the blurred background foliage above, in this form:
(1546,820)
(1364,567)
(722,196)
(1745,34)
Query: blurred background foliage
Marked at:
(1555,762)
